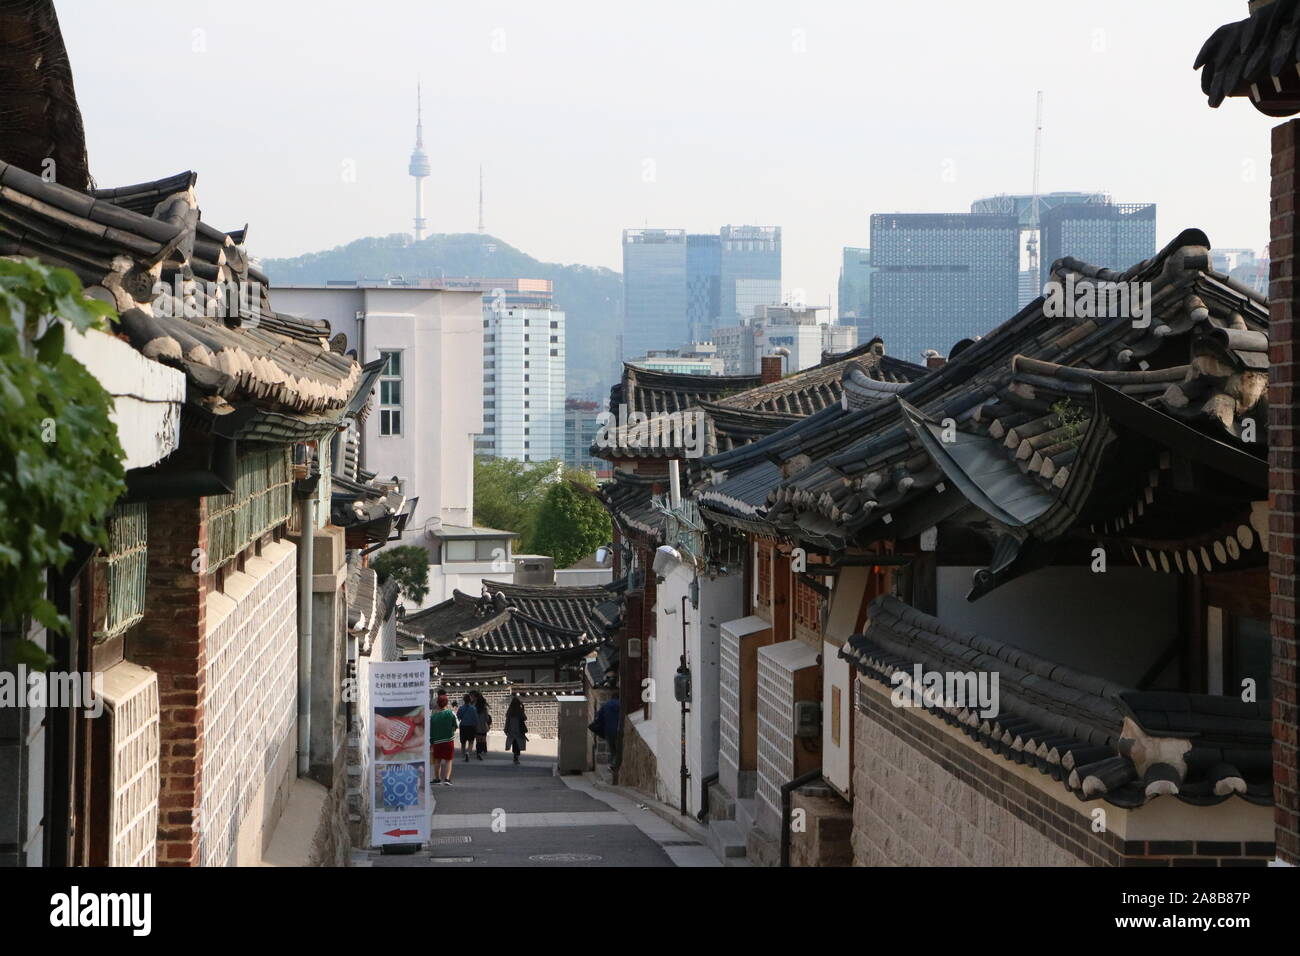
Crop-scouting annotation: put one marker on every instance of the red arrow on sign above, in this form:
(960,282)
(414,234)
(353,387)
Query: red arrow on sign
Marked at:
(397,833)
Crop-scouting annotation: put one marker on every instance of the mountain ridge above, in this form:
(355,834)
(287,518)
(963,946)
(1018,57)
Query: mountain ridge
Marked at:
(591,297)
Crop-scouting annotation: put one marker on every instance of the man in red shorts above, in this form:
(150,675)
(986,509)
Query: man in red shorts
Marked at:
(442,734)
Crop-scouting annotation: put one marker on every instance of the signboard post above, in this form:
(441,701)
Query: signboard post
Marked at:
(399,742)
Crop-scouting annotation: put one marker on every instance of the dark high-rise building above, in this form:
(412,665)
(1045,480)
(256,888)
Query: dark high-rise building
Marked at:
(1110,235)
(703,286)
(750,271)
(654,290)
(940,277)
(855,288)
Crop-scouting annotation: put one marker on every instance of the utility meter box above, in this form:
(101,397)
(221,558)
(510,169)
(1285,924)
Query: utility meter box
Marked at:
(572,719)
(682,685)
(807,718)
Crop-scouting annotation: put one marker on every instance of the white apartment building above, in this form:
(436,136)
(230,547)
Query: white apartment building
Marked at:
(428,406)
(523,383)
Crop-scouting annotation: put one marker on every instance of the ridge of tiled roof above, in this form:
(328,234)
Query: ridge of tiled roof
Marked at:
(523,621)
(651,391)
(1028,387)
(1099,739)
(123,244)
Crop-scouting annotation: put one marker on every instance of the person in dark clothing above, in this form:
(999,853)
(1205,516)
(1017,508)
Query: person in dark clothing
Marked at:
(516,727)
(607,720)
(467,717)
(484,723)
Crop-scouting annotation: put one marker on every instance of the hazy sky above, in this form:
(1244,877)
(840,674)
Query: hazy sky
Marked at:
(806,115)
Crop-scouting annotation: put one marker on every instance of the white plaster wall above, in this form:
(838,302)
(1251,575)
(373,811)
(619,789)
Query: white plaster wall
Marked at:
(1114,624)
(837,764)
(147,395)
(719,601)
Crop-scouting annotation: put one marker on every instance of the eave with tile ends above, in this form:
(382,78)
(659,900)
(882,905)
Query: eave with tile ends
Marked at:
(1099,739)
(1031,412)
(238,354)
(1257,58)
(511,620)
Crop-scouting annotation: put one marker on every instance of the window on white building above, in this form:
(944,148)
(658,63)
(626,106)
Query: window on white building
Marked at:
(390,394)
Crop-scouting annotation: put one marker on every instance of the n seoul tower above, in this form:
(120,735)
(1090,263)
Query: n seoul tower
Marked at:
(419,168)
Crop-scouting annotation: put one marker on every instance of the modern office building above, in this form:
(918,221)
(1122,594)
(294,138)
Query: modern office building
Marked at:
(654,289)
(523,383)
(680,287)
(1021,205)
(854,300)
(1110,235)
(938,278)
(703,285)
(750,270)
(504,293)
(581,426)
(793,332)
(699,358)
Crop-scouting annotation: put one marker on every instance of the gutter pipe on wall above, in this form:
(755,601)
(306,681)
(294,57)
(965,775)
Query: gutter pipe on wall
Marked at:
(306,548)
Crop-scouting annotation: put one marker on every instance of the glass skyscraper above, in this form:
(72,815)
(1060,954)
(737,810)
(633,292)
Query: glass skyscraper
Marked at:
(855,287)
(703,285)
(1110,235)
(751,271)
(680,288)
(940,277)
(654,290)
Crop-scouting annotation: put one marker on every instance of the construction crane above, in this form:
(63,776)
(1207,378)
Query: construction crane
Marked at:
(1032,245)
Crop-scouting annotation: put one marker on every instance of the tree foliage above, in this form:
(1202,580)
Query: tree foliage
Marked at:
(572,522)
(508,494)
(60,458)
(408,565)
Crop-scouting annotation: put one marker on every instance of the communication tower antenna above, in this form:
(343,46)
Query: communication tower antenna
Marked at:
(1032,245)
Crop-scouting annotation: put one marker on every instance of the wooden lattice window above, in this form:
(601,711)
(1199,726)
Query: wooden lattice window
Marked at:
(262,499)
(120,597)
(807,606)
(764,573)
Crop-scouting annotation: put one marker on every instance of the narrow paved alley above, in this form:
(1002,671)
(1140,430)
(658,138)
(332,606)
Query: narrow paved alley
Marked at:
(499,814)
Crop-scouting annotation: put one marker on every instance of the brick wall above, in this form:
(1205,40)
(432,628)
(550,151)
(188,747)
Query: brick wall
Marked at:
(170,641)
(924,797)
(1282,516)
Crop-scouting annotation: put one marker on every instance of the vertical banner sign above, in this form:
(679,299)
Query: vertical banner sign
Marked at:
(399,742)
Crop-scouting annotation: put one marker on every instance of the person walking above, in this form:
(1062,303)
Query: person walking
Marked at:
(442,734)
(484,723)
(467,715)
(607,722)
(516,727)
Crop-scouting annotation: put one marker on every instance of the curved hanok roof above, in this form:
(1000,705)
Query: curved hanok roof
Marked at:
(738,415)
(1098,738)
(512,620)
(186,294)
(1028,416)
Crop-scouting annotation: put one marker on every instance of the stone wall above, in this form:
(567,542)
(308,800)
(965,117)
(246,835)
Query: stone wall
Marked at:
(821,828)
(925,795)
(638,768)
(251,679)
